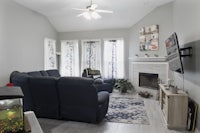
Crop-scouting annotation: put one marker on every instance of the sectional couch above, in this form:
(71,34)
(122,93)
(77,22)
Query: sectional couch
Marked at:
(69,98)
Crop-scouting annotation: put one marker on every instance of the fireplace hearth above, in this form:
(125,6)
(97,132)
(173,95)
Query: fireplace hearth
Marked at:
(148,80)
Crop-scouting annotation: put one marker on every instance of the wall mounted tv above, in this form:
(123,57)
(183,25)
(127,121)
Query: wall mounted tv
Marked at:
(173,54)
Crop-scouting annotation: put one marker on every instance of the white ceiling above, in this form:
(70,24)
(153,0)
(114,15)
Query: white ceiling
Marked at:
(63,18)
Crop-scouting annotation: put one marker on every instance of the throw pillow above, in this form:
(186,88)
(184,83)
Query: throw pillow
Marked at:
(98,81)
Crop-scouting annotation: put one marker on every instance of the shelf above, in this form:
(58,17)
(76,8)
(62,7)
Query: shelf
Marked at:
(148,59)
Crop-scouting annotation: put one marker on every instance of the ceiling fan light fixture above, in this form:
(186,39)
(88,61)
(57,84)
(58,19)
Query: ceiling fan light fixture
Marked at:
(95,15)
(87,15)
(90,15)
(91,11)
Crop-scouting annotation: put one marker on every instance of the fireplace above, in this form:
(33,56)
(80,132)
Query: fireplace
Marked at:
(148,80)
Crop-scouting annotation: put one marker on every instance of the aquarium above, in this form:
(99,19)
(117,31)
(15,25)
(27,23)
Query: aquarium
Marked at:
(11,110)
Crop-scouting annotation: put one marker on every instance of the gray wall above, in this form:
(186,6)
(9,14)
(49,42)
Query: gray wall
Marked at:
(21,39)
(3,57)
(181,16)
(101,34)
(161,16)
(187,25)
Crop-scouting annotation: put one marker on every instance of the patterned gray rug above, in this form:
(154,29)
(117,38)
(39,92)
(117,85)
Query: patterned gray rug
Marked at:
(127,110)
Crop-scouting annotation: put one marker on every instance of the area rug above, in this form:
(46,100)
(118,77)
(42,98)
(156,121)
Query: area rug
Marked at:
(127,110)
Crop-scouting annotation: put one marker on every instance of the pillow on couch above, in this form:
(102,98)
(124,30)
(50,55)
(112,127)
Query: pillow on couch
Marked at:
(96,76)
(98,81)
(35,74)
(53,73)
(93,72)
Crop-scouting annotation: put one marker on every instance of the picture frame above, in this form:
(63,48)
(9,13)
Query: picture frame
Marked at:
(149,37)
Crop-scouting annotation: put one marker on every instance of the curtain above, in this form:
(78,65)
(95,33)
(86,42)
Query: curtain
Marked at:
(69,58)
(113,58)
(91,54)
(50,61)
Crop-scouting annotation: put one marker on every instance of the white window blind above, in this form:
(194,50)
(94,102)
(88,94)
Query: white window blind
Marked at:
(91,54)
(69,58)
(50,61)
(113,58)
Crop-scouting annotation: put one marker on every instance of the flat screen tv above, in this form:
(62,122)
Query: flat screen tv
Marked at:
(173,54)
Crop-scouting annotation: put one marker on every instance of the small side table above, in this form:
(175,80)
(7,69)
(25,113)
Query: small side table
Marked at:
(174,107)
(34,124)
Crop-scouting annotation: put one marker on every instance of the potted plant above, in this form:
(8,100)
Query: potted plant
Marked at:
(123,85)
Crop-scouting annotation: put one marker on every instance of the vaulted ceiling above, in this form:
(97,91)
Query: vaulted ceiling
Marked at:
(64,19)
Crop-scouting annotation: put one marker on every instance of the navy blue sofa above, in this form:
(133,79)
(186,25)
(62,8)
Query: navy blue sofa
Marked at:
(69,98)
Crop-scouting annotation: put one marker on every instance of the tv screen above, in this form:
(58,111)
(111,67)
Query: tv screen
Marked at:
(173,54)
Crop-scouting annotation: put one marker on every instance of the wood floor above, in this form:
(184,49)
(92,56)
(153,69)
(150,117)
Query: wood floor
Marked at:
(154,113)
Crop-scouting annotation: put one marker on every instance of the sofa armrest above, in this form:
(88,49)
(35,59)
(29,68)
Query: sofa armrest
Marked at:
(21,80)
(103,101)
(103,97)
(111,81)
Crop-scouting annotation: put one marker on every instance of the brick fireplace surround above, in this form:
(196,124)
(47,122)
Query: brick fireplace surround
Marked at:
(160,68)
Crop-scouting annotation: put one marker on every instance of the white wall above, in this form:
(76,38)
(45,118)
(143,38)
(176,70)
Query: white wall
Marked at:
(21,39)
(186,20)
(3,57)
(183,17)
(99,34)
(161,16)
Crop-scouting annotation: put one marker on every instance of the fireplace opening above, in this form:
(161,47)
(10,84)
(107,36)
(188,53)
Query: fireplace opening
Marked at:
(148,80)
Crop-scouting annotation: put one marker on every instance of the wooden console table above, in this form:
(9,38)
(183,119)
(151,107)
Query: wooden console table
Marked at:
(174,107)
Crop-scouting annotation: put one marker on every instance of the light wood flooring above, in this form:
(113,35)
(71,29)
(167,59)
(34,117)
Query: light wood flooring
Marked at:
(157,124)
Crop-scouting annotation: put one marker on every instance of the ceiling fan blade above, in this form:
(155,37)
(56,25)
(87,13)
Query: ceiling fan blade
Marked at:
(104,11)
(78,9)
(79,15)
(85,15)
(93,6)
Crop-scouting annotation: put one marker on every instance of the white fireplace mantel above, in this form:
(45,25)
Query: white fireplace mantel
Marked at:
(148,59)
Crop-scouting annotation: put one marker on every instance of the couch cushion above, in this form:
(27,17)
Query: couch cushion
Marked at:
(34,74)
(44,73)
(77,81)
(45,96)
(53,73)
(78,99)
(98,81)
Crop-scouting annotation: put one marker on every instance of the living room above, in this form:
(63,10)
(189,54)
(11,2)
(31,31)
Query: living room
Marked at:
(23,32)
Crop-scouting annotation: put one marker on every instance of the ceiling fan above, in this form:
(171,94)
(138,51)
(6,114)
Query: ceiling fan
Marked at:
(91,11)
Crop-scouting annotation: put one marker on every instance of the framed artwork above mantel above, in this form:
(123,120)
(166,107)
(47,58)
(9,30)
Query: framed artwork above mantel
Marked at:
(149,38)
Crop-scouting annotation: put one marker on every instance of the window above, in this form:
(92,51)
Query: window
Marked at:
(91,54)
(113,58)
(69,58)
(50,54)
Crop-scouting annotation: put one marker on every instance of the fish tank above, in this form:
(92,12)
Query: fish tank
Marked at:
(11,110)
